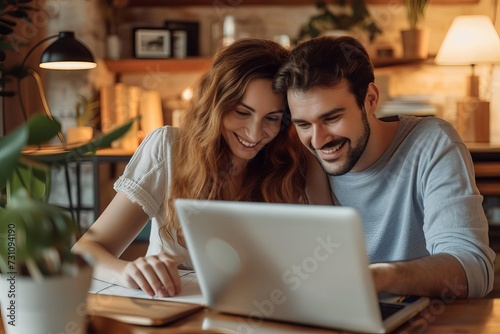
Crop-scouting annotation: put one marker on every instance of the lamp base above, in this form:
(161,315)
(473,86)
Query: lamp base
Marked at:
(473,120)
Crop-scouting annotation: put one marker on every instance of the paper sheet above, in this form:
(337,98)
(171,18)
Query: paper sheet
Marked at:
(190,291)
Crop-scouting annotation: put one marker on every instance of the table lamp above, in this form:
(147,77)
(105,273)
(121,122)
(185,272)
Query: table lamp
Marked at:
(471,40)
(66,53)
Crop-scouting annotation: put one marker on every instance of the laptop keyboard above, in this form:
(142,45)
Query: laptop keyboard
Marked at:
(389,309)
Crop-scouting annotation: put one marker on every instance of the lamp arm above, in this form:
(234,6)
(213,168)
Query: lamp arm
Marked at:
(41,93)
(36,46)
(39,86)
(22,66)
(21,103)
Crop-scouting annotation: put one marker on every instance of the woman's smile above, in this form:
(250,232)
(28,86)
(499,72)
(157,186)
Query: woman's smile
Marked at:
(244,142)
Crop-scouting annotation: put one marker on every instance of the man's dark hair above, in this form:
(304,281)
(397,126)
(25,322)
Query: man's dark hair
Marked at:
(325,61)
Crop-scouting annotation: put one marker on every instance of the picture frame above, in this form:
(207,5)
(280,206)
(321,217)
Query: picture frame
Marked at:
(191,41)
(152,42)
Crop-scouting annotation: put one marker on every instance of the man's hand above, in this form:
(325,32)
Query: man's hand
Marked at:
(439,275)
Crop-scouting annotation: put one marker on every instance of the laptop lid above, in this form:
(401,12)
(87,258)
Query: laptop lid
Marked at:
(297,263)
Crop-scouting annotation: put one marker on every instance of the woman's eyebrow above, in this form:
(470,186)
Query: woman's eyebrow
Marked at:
(246,106)
(280,111)
(253,110)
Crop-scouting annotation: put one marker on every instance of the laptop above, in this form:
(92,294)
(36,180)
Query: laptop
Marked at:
(304,264)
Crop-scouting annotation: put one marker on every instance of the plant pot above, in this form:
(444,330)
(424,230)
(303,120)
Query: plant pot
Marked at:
(52,305)
(80,134)
(415,43)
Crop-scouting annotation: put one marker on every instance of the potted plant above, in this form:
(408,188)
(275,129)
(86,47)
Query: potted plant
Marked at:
(36,265)
(86,117)
(341,20)
(11,11)
(416,38)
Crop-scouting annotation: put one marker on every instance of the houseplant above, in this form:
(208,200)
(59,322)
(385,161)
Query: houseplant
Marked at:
(86,117)
(37,267)
(415,39)
(344,17)
(10,11)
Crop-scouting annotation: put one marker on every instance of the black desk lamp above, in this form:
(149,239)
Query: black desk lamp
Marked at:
(66,53)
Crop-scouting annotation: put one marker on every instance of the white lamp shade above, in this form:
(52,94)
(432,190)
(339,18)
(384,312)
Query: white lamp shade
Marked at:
(471,39)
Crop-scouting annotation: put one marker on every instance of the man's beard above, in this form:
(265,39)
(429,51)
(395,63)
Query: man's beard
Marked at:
(354,152)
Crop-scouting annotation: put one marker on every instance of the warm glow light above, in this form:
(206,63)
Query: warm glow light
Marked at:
(68,65)
(471,39)
(187,94)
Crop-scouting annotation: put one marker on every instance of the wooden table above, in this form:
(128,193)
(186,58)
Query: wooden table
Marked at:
(462,316)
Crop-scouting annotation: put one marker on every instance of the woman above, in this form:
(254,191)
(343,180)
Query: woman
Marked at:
(236,144)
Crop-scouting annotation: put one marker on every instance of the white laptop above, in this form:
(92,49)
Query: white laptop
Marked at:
(296,263)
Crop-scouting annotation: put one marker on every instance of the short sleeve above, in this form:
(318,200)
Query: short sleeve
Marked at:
(146,177)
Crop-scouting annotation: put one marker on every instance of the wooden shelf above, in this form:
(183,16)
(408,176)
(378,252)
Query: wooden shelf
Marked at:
(203,64)
(229,4)
(158,65)
(393,61)
(488,188)
(487,169)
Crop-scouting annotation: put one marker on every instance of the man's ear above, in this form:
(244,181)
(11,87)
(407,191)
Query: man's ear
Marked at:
(371,99)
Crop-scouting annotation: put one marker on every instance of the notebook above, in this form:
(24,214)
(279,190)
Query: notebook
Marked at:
(138,311)
(295,263)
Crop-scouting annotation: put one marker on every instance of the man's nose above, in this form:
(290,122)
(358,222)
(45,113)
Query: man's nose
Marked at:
(319,137)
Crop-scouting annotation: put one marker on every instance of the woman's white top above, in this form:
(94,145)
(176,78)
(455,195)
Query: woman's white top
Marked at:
(146,181)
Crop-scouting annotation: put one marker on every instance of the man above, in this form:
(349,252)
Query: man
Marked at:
(412,179)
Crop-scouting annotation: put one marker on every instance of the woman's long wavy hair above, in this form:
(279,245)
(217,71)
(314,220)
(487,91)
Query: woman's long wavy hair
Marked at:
(201,158)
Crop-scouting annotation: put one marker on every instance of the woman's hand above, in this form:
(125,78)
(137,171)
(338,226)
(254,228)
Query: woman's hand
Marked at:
(156,275)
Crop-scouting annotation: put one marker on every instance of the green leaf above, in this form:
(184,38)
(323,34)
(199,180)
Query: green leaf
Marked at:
(38,130)
(42,129)
(42,232)
(73,154)
(36,181)
(38,229)
(10,151)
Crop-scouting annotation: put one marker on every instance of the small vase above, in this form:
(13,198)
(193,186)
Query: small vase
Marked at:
(415,43)
(113,47)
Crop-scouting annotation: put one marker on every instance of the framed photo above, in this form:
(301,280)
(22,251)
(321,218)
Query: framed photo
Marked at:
(185,35)
(152,43)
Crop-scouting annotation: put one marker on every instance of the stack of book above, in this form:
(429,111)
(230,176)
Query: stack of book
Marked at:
(414,105)
(121,102)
